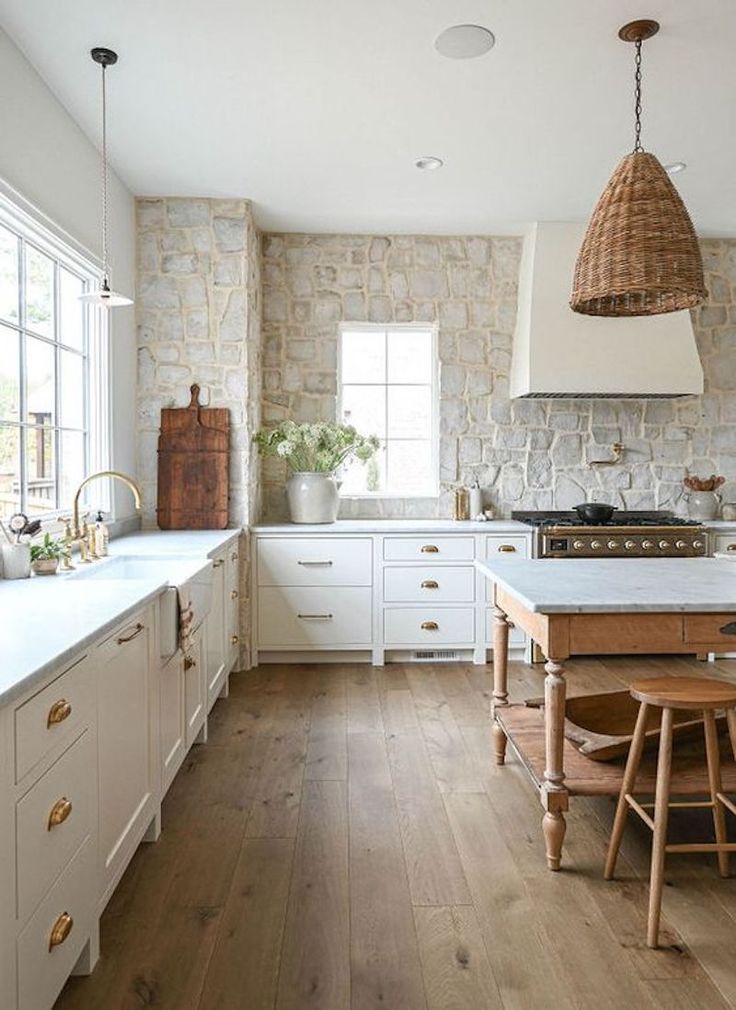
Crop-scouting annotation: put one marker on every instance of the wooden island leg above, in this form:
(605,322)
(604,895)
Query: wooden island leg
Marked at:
(554,795)
(500,680)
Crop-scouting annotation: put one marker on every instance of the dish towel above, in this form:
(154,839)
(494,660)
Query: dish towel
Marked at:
(186,616)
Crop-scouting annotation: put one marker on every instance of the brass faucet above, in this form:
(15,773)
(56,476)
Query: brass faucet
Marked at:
(93,476)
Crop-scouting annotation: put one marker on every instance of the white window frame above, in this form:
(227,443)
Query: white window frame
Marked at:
(435,398)
(35,229)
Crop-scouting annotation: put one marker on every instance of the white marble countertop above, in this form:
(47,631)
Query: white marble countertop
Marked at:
(395,526)
(45,621)
(617,585)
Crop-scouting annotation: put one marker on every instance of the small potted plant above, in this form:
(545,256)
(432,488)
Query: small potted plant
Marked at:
(45,555)
(314,452)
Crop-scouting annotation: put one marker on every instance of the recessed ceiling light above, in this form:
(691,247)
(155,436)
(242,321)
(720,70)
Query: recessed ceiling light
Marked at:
(674,167)
(429,163)
(464,42)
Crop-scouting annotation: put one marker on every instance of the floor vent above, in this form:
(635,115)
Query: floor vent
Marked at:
(435,656)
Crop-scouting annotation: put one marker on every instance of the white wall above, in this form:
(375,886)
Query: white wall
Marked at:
(47,158)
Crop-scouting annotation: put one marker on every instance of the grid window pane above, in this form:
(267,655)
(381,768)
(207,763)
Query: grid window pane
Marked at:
(73,464)
(71,389)
(361,478)
(363,356)
(39,292)
(365,408)
(71,312)
(410,356)
(410,465)
(8,275)
(9,469)
(9,374)
(40,462)
(410,411)
(40,381)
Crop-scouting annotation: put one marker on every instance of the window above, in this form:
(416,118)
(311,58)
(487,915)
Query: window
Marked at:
(388,387)
(51,356)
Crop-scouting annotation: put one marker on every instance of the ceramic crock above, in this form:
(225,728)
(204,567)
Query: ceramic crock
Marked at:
(312,497)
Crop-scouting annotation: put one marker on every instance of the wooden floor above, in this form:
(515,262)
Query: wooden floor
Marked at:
(344,841)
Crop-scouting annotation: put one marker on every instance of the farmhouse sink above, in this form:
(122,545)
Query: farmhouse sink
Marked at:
(188,579)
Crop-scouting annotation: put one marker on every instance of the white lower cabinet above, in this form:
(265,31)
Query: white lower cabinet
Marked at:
(292,616)
(429,626)
(173,733)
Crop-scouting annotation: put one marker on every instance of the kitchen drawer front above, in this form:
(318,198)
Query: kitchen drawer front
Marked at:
(516,635)
(427,626)
(49,721)
(431,583)
(315,561)
(429,548)
(724,544)
(709,629)
(290,617)
(43,971)
(501,545)
(52,820)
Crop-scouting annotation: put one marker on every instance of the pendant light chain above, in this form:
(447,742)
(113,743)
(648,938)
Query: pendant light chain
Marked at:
(637,99)
(105,270)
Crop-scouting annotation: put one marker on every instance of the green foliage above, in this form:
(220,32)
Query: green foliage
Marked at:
(48,550)
(316,448)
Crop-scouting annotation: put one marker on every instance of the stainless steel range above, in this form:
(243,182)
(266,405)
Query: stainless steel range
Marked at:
(626,535)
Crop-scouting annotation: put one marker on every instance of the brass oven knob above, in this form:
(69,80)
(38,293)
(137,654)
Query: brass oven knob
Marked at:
(663,545)
(577,545)
(629,545)
(613,545)
(595,545)
(647,544)
(698,545)
(680,545)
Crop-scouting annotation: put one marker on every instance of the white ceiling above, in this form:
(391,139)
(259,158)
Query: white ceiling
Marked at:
(317,109)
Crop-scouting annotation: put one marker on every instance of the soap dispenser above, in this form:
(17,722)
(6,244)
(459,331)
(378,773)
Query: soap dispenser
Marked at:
(102,537)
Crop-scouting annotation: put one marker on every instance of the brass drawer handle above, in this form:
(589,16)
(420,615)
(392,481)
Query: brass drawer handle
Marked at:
(731,547)
(430,549)
(134,634)
(234,556)
(430,584)
(314,617)
(234,639)
(234,594)
(59,812)
(58,712)
(315,564)
(430,626)
(189,662)
(218,564)
(728,629)
(507,549)
(60,930)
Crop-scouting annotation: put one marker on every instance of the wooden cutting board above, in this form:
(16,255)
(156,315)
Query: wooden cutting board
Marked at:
(193,467)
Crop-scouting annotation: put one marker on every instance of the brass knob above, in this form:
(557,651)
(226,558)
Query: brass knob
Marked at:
(595,545)
(189,662)
(507,549)
(663,545)
(234,639)
(60,930)
(577,545)
(59,812)
(430,549)
(698,545)
(58,712)
(629,545)
(613,545)
(234,594)
(430,584)
(647,544)
(430,625)
(680,545)
(234,556)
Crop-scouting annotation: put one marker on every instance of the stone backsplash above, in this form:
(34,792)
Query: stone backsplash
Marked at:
(526,453)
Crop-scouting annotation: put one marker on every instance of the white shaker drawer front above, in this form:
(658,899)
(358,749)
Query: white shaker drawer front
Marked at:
(315,561)
(725,544)
(51,719)
(432,548)
(313,616)
(507,546)
(437,584)
(51,943)
(428,626)
(52,821)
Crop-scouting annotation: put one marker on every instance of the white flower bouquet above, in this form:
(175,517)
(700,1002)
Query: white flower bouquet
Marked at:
(321,447)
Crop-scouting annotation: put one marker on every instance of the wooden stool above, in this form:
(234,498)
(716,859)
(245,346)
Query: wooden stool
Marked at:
(670,693)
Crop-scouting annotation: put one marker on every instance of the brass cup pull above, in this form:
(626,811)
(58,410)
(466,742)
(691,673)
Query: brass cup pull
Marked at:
(60,930)
(59,812)
(234,594)
(731,547)
(234,639)
(430,584)
(430,549)
(507,549)
(189,662)
(134,634)
(430,626)
(58,712)
(218,564)
(234,556)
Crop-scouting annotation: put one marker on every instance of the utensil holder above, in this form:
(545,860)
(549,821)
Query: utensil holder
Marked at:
(16,561)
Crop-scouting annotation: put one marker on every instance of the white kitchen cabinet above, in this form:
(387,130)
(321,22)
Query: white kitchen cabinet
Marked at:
(217,650)
(195,688)
(173,733)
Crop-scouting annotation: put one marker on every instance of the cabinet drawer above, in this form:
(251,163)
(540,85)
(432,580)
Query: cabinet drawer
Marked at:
(52,820)
(507,546)
(315,561)
(430,547)
(42,970)
(290,616)
(434,583)
(49,721)
(709,629)
(724,544)
(428,626)
(232,564)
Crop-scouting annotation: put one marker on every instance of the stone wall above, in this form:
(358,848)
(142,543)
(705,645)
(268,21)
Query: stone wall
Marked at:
(526,453)
(198,314)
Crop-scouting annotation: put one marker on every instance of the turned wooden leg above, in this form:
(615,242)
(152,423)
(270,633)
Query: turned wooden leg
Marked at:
(714,779)
(554,791)
(661,815)
(500,680)
(627,787)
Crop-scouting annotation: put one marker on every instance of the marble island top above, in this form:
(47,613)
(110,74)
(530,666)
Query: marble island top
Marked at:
(617,585)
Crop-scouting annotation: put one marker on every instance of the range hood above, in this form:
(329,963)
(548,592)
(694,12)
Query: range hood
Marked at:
(559,353)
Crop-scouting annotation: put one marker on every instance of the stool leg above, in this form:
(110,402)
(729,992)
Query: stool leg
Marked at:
(731,719)
(661,813)
(627,786)
(714,778)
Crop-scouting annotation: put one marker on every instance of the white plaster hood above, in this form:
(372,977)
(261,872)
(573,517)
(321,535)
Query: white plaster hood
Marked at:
(560,353)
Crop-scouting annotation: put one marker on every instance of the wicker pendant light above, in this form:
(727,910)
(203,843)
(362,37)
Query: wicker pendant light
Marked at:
(640,255)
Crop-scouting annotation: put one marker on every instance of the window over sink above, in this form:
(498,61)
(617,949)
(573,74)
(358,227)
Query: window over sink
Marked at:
(387,386)
(53,368)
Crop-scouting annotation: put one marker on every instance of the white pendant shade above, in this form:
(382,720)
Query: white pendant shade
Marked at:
(106,298)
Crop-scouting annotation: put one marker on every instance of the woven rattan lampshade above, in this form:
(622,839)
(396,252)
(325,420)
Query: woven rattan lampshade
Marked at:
(640,255)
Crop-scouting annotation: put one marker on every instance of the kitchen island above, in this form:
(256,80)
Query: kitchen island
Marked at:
(589,606)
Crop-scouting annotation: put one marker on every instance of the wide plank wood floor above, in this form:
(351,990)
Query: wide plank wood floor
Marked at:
(344,842)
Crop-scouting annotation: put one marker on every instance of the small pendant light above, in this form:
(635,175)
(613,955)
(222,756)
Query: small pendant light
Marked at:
(104,295)
(640,255)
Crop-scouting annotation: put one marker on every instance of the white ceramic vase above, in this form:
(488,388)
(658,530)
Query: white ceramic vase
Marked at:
(703,505)
(313,497)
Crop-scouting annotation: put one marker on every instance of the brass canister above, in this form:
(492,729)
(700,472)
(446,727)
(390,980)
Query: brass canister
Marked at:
(462,503)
